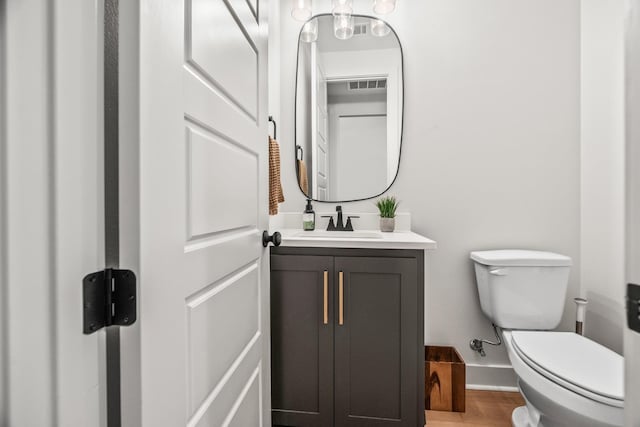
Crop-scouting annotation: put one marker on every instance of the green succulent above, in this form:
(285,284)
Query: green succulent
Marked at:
(387,206)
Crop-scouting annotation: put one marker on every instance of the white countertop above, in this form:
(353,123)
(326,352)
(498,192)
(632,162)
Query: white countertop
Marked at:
(394,240)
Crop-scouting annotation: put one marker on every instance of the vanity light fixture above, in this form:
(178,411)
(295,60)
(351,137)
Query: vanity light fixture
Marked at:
(382,7)
(301,10)
(343,26)
(341,7)
(379,28)
(309,31)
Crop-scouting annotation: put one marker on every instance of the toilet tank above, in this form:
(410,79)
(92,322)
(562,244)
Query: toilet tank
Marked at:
(521,289)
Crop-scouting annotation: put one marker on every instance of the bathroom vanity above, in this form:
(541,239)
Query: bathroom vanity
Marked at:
(347,307)
(347,329)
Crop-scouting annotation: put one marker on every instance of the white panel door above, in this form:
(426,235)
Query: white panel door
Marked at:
(631,338)
(359,173)
(203,321)
(319,128)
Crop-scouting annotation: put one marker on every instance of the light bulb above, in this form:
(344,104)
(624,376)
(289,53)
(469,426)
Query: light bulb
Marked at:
(301,10)
(309,31)
(343,26)
(379,28)
(341,7)
(382,7)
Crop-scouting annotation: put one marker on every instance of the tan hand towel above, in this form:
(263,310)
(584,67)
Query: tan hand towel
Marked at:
(303,178)
(275,185)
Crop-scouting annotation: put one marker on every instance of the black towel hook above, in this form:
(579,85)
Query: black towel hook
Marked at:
(275,135)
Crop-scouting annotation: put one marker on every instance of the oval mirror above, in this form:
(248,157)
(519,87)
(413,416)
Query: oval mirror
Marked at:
(349,106)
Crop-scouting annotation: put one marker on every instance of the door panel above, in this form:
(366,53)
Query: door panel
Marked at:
(211,351)
(204,309)
(221,408)
(205,184)
(375,322)
(375,348)
(247,411)
(225,29)
(302,344)
(357,134)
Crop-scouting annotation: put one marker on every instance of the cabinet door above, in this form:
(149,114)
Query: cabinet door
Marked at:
(302,340)
(376,342)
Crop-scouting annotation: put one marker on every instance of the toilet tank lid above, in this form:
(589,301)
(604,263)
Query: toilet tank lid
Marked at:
(521,258)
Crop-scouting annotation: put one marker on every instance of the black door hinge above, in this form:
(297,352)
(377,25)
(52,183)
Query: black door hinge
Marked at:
(633,307)
(109,298)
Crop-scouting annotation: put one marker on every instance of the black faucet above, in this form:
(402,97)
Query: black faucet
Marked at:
(331,226)
(339,223)
(339,226)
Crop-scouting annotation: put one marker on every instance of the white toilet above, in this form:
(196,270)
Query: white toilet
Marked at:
(566,379)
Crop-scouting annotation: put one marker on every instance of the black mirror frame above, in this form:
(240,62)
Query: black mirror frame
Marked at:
(295,113)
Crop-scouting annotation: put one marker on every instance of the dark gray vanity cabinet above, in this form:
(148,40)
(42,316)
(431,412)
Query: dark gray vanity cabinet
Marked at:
(301,340)
(351,356)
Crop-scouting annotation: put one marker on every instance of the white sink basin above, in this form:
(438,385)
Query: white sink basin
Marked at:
(320,234)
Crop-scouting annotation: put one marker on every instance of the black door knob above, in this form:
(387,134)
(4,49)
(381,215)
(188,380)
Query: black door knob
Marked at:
(275,238)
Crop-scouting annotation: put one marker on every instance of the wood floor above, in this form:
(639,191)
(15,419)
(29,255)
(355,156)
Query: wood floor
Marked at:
(484,409)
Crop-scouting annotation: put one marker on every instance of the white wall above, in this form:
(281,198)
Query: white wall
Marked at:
(52,211)
(3,232)
(631,338)
(491,149)
(602,169)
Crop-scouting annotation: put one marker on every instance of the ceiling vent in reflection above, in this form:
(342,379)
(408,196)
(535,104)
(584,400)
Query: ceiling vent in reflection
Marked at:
(360,29)
(367,84)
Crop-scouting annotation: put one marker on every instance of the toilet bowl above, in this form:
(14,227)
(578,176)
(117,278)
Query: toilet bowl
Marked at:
(566,379)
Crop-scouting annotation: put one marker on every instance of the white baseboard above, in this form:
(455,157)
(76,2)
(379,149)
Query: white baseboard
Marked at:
(491,377)
(491,388)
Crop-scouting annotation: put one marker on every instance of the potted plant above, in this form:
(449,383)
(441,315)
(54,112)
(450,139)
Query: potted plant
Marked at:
(387,207)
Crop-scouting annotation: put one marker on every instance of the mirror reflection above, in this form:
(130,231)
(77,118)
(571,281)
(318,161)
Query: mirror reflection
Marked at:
(349,101)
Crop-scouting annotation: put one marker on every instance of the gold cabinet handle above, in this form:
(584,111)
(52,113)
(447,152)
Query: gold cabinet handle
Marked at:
(326,297)
(341,298)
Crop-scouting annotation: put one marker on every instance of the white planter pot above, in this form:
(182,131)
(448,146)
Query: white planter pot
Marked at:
(387,224)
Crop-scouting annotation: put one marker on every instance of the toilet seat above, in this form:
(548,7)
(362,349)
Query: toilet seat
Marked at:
(575,363)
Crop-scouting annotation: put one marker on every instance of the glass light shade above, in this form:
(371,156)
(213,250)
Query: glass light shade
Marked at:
(343,26)
(379,28)
(382,7)
(301,10)
(309,31)
(341,7)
